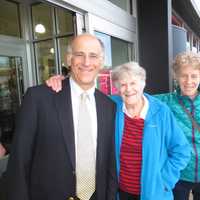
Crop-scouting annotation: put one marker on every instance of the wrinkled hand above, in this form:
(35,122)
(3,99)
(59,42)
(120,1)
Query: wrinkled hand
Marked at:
(2,151)
(55,82)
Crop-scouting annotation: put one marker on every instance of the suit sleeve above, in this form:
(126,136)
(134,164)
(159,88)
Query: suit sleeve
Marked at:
(113,183)
(178,150)
(22,149)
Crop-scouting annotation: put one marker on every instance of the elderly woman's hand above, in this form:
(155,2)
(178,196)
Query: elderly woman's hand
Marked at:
(55,82)
(2,151)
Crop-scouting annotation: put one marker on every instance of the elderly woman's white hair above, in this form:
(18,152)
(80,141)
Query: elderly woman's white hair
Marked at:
(131,69)
(189,59)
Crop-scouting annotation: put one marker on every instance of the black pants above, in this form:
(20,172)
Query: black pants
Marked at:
(182,190)
(126,196)
(196,192)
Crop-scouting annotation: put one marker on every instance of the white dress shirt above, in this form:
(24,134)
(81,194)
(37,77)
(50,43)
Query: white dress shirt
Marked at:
(144,110)
(76,92)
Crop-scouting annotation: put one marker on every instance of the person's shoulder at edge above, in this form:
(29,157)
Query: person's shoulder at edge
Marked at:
(103,96)
(157,102)
(116,98)
(165,96)
(168,98)
(43,89)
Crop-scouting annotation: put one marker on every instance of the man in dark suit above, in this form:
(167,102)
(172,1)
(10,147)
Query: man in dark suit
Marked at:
(42,164)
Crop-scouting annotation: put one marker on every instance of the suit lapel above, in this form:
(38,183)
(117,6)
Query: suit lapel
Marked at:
(64,108)
(100,128)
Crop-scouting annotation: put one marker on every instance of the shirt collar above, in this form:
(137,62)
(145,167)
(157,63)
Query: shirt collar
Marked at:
(77,90)
(144,110)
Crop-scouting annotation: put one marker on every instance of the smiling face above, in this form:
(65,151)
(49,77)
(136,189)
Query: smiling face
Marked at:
(188,79)
(86,60)
(131,89)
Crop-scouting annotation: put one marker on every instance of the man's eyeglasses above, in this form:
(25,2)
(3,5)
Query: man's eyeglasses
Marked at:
(82,56)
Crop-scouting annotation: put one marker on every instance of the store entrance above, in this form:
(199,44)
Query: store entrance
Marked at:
(11,91)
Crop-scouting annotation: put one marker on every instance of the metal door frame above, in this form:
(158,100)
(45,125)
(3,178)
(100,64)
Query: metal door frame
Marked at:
(16,48)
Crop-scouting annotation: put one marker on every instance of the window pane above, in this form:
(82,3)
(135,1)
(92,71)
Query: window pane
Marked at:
(11,88)
(9,19)
(45,60)
(124,4)
(106,40)
(131,52)
(120,52)
(42,21)
(50,44)
(65,21)
(117,51)
(63,42)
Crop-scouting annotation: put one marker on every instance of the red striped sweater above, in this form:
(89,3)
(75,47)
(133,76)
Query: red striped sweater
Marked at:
(131,155)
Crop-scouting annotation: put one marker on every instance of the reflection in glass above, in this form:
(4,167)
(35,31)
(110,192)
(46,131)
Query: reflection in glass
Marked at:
(11,90)
(9,18)
(124,4)
(65,21)
(120,52)
(106,40)
(45,59)
(54,28)
(63,42)
(41,15)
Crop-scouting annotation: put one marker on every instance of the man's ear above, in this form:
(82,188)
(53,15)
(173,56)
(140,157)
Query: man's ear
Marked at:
(68,58)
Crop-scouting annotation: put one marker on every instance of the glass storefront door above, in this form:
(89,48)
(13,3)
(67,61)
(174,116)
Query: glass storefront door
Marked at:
(11,91)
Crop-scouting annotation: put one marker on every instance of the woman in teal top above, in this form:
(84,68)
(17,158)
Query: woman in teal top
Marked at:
(185,104)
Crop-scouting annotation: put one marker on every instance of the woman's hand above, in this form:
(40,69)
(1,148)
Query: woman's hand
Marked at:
(55,82)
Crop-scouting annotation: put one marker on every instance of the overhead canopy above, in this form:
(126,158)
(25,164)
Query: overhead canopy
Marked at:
(188,13)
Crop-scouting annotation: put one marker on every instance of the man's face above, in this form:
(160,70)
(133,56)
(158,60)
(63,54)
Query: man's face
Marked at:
(86,60)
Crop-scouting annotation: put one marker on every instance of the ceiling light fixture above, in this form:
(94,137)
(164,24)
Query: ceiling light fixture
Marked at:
(39,28)
(52,50)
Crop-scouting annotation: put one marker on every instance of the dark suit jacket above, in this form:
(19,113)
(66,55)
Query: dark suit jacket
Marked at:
(42,161)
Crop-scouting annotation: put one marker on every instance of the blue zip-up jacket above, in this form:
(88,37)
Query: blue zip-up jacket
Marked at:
(165,150)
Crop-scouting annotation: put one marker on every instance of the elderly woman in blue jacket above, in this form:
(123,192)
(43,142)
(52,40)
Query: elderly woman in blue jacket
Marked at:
(151,149)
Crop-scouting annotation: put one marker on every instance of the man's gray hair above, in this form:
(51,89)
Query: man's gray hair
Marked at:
(130,68)
(69,46)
